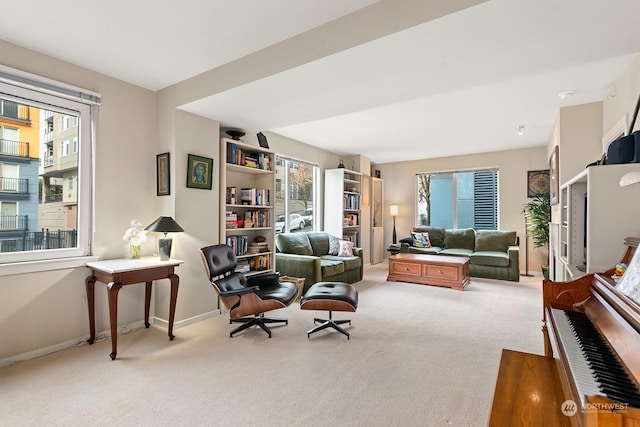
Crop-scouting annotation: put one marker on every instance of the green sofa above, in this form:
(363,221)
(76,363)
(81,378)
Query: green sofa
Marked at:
(492,254)
(307,254)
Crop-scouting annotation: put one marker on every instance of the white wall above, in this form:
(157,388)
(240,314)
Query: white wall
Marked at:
(399,189)
(45,309)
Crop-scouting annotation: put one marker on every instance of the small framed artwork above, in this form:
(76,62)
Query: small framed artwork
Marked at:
(199,172)
(537,183)
(163,175)
(554,177)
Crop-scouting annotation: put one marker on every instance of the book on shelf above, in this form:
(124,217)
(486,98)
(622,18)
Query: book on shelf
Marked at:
(255,196)
(243,266)
(252,159)
(351,201)
(232,195)
(260,263)
(239,243)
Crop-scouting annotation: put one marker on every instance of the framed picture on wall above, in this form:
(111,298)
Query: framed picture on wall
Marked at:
(537,182)
(554,177)
(163,175)
(199,172)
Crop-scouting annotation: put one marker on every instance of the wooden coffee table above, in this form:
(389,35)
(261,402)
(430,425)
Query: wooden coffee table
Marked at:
(438,270)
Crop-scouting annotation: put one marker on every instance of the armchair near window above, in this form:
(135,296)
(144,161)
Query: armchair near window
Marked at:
(244,296)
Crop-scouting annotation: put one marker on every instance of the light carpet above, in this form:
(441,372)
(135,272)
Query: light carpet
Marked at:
(418,356)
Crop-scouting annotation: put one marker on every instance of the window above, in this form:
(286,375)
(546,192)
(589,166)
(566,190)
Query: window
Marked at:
(461,199)
(296,192)
(36,222)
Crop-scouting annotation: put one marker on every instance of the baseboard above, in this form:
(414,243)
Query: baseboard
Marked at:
(101,336)
(186,322)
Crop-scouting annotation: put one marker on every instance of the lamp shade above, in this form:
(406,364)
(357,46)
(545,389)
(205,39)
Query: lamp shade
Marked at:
(393,210)
(164,224)
(630,178)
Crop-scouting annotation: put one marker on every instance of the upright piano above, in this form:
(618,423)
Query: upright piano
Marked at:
(590,373)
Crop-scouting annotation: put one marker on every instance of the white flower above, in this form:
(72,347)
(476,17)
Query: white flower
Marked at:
(135,234)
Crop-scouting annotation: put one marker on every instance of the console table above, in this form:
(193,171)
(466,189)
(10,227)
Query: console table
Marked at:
(117,273)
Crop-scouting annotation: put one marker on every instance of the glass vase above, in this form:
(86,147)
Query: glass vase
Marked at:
(135,251)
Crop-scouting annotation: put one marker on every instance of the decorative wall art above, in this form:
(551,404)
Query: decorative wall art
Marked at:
(554,177)
(538,183)
(199,172)
(163,175)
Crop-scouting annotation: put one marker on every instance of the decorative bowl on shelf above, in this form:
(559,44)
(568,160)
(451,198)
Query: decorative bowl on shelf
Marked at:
(235,134)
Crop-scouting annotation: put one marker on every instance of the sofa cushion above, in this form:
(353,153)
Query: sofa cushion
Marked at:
(494,240)
(346,248)
(331,267)
(436,234)
(334,245)
(456,252)
(421,240)
(294,243)
(460,238)
(433,250)
(492,258)
(320,243)
(350,263)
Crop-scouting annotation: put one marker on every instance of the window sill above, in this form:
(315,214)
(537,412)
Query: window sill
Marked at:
(13,268)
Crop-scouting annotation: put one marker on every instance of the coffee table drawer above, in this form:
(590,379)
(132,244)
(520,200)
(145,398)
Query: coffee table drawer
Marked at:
(405,268)
(441,272)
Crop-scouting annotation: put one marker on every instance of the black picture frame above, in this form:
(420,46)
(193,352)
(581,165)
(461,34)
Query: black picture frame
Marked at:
(262,140)
(554,177)
(538,183)
(163,174)
(199,172)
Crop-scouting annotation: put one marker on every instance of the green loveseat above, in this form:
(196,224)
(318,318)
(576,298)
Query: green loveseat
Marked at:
(492,254)
(307,254)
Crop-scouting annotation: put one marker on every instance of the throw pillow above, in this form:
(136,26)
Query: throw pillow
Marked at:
(418,241)
(425,240)
(407,240)
(346,248)
(334,245)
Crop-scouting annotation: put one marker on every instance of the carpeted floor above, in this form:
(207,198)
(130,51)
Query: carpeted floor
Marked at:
(418,356)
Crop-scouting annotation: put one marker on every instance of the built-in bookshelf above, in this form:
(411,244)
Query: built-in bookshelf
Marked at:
(342,202)
(596,217)
(248,178)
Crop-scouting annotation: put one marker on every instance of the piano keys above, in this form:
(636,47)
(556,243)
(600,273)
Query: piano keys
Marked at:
(591,336)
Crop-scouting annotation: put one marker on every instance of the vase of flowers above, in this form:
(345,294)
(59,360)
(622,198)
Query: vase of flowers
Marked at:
(136,235)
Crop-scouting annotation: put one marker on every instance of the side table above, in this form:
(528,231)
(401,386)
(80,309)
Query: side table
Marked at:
(117,273)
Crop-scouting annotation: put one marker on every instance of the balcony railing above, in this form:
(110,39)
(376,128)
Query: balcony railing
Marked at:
(14,148)
(40,240)
(14,222)
(15,111)
(14,185)
(52,198)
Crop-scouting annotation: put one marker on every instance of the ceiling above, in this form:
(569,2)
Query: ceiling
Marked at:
(392,79)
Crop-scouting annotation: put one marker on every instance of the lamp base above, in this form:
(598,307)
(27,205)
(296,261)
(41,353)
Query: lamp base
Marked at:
(164,249)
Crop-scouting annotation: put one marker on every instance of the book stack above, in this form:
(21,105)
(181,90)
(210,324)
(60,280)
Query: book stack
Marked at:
(258,247)
(231,220)
(243,266)
(352,236)
(258,218)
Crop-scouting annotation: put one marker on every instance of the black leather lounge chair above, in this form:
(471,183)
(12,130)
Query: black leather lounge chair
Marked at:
(246,296)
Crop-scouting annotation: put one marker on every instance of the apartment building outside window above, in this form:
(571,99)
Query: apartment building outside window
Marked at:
(50,179)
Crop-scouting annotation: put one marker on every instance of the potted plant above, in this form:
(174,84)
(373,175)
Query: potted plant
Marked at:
(538,215)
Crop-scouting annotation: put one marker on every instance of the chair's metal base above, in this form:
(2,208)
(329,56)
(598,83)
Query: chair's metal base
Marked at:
(257,320)
(330,323)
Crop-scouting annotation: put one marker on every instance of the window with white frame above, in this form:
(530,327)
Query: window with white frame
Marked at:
(296,195)
(458,199)
(34,224)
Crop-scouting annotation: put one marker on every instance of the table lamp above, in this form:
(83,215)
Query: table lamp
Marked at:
(164,224)
(393,210)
